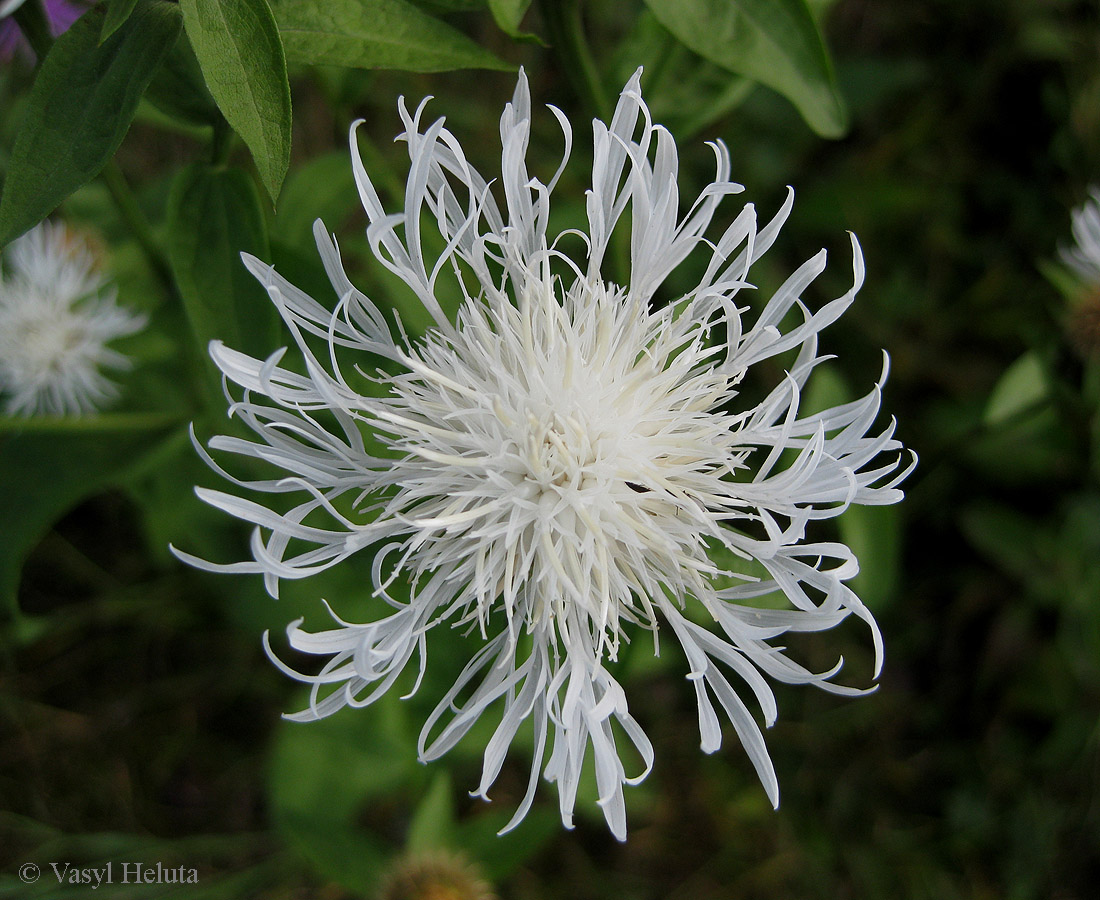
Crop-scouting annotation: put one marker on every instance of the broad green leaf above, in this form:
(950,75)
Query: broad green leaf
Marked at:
(47,465)
(775,42)
(1022,386)
(118,11)
(213,216)
(375,34)
(80,109)
(241,55)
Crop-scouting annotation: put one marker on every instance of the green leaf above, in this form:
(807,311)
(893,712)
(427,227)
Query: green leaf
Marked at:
(376,34)
(80,109)
(1013,541)
(775,42)
(433,821)
(326,776)
(874,534)
(508,14)
(179,91)
(323,188)
(214,215)
(241,55)
(1023,386)
(48,465)
(118,11)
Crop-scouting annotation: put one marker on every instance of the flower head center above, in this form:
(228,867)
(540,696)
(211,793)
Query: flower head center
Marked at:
(560,451)
(49,338)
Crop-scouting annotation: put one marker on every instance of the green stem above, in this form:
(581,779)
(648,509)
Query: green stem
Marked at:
(32,21)
(566,26)
(134,218)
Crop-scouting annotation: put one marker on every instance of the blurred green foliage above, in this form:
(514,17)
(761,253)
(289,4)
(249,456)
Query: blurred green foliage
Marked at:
(140,718)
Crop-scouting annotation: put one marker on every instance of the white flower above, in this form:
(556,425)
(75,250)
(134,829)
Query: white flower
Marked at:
(7,7)
(558,470)
(56,318)
(1084,256)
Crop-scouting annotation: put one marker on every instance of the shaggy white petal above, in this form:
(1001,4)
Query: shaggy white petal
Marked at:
(56,319)
(562,464)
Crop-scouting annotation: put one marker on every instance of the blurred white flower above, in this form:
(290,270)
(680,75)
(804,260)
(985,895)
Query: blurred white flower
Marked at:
(1084,256)
(569,463)
(56,317)
(7,7)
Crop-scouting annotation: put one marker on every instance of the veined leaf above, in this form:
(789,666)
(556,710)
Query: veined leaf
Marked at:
(375,34)
(241,54)
(80,109)
(775,42)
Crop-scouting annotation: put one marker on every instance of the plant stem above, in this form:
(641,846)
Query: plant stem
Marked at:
(134,218)
(566,25)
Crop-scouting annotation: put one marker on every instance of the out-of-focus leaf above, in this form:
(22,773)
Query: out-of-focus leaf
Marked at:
(508,14)
(820,8)
(214,215)
(1007,538)
(874,535)
(1022,386)
(339,784)
(1065,281)
(327,775)
(118,11)
(323,188)
(178,89)
(80,108)
(775,42)
(446,6)
(433,821)
(376,34)
(241,55)
(48,465)
(685,92)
